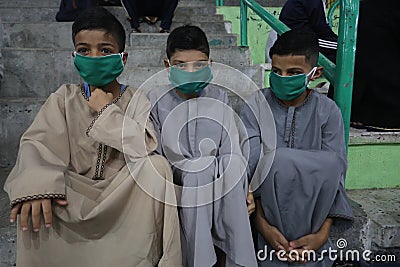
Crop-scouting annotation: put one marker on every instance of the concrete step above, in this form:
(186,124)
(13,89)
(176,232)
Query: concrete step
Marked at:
(15,117)
(376,226)
(196,3)
(28,3)
(209,27)
(383,209)
(36,35)
(58,35)
(270,3)
(156,39)
(190,3)
(35,72)
(48,13)
(52,3)
(7,231)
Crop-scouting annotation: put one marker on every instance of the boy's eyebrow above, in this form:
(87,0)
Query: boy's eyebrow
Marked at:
(81,43)
(296,69)
(177,61)
(101,44)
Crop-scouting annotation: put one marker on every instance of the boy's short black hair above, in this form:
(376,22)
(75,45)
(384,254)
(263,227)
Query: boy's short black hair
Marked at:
(297,43)
(99,18)
(187,38)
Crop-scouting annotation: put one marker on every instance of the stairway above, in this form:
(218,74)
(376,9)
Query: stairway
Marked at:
(37,57)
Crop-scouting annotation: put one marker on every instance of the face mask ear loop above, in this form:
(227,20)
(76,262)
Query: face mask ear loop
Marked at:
(311,74)
(169,63)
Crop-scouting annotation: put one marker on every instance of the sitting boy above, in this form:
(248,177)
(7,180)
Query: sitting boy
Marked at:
(71,173)
(198,135)
(303,193)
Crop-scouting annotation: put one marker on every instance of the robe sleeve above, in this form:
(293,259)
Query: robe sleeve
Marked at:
(154,117)
(43,157)
(251,137)
(130,132)
(333,140)
(333,135)
(230,156)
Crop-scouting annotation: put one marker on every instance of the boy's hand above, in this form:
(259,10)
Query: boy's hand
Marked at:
(251,205)
(271,234)
(311,241)
(37,207)
(98,99)
(299,247)
(279,243)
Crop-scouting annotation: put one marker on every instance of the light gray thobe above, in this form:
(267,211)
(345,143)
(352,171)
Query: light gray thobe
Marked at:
(200,139)
(305,184)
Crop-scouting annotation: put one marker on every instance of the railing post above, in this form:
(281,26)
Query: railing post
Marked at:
(346,59)
(243,23)
(219,2)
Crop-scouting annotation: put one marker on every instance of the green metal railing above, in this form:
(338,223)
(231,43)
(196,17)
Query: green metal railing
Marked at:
(219,2)
(341,75)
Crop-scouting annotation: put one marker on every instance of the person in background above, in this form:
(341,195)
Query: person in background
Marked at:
(163,9)
(309,15)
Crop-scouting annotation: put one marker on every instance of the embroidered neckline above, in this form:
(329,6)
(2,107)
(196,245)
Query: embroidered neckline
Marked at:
(85,95)
(286,107)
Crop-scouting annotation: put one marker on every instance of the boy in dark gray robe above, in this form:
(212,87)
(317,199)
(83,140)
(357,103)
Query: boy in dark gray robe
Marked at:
(197,134)
(303,194)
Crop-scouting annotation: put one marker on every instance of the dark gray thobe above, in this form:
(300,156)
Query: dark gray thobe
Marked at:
(305,184)
(200,139)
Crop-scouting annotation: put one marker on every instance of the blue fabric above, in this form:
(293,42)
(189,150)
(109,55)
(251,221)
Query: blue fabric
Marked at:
(87,89)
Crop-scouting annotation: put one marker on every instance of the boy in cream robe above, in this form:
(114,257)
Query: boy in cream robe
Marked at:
(76,179)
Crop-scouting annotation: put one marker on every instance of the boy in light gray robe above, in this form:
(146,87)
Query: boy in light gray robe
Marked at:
(303,194)
(197,134)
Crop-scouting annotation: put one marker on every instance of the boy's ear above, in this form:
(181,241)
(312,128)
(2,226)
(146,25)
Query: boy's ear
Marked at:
(125,58)
(166,64)
(317,73)
(211,61)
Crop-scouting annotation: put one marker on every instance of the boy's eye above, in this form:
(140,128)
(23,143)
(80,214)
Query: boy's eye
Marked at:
(180,65)
(196,65)
(276,71)
(294,73)
(106,51)
(200,64)
(82,51)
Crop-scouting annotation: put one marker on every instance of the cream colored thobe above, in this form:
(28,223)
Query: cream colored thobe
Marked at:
(73,152)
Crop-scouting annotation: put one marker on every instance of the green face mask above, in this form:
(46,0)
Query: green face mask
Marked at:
(190,82)
(99,71)
(289,87)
